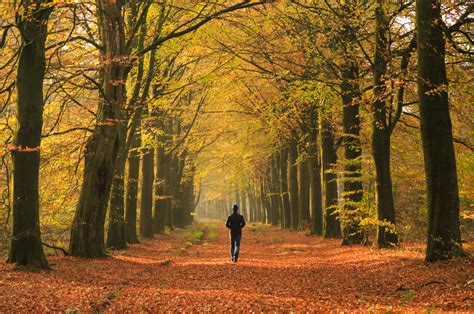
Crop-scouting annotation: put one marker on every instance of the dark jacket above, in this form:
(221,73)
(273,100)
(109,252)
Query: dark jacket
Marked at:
(235,223)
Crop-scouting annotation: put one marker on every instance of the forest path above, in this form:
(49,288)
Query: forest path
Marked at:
(278,270)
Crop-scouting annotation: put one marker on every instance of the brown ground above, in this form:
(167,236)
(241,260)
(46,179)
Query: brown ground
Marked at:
(279,270)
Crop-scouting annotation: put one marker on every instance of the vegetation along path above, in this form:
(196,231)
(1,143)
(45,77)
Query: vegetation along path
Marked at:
(279,270)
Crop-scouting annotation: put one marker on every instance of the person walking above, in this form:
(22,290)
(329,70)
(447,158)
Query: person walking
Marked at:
(235,223)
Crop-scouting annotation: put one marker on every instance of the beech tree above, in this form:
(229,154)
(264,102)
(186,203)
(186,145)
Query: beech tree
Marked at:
(444,235)
(26,245)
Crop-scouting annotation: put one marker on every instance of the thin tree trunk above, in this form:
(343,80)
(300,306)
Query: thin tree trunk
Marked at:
(275,192)
(131,199)
(285,197)
(160,201)
(444,235)
(303,193)
(316,202)
(25,246)
(258,201)
(329,159)
(146,209)
(381,132)
(293,184)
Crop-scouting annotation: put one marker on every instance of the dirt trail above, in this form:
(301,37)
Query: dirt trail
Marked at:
(278,270)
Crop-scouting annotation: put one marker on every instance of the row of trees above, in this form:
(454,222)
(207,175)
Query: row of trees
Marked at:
(126,37)
(270,104)
(328,70)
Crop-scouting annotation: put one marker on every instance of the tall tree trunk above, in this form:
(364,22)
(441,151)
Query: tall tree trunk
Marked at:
(146,209)
(444,235)
(293,184)
(244,204)
(87,232)
(381,132)
(26,247)
(285,197)
(265,202)
(329,159)
(275,192)
(116,232)
(316,202)
(160,201)
(251,216)
(131,199)
(303,192)
(177,190)
(258,210)
(353,190)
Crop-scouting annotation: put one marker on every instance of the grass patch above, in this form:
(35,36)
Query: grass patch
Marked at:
(212,234)
(199,234)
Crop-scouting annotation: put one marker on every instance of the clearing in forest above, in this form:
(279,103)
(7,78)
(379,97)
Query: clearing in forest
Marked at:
(279,270)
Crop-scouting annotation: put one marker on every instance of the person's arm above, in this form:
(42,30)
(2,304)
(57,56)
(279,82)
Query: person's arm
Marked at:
(227,224)
(242,223)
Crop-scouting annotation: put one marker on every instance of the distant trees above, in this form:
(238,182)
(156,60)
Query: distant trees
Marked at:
(87,233)
(323,50)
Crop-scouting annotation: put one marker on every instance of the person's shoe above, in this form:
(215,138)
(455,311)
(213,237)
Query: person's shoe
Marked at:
(232,260)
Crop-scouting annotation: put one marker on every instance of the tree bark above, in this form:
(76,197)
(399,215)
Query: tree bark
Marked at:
(314,164)
(87,232)
(159,219)
(275,192)
(303,193)
(116,232)
(293,184)
(131,199)
(329,159)
(146,209)
(25,246)
(381,132)
(285,197)
(444,235)
(258,210)
(353,190)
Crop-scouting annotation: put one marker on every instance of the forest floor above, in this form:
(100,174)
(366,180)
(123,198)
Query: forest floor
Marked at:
(189,270)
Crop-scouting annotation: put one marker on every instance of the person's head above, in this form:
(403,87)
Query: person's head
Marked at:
(235,208)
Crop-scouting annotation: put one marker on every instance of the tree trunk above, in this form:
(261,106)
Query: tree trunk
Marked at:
(159,219)
(329,160)
(293,184)
(87,232)
(131,198)
(116,232)
(444,235)
(353,190)
(285,197)
(26,247)
(177,190)
(275,193)
(244,204)
(252,206)
(316,202)
(258,210)
(381,132)
(146,209)
(303,192)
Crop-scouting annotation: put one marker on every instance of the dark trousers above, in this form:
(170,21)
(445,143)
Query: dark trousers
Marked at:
(235,247)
